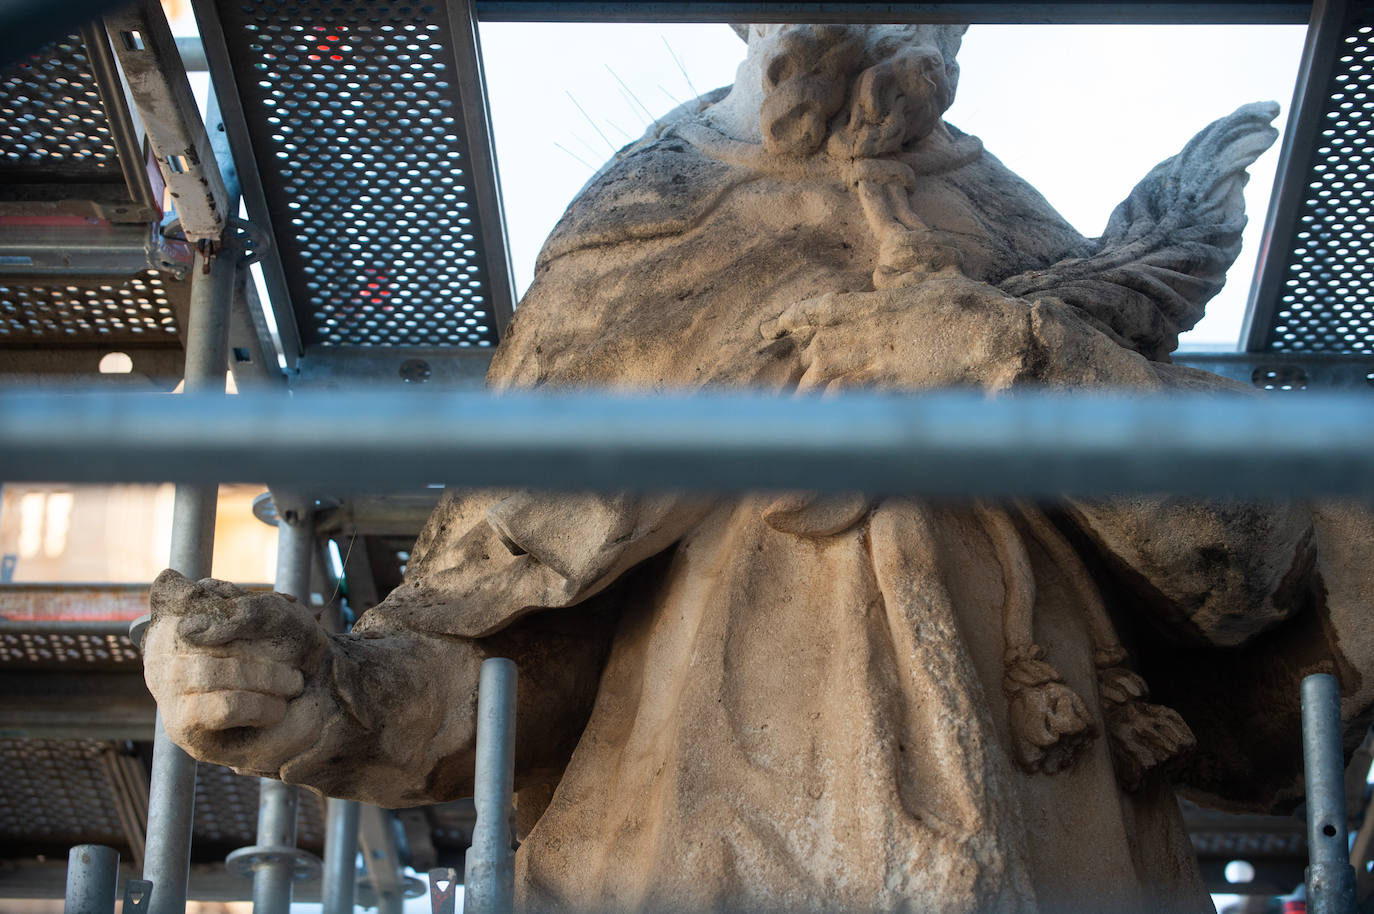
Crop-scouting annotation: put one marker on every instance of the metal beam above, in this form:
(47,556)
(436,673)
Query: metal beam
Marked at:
(148,54)
(229,102)
(128,140)
(381,856)
(986,11)
(1287,370)
(326,367)
(75,704)
(391,514)
(209,881)
(1310,95)
(936,444)
(89,250)
(486,181)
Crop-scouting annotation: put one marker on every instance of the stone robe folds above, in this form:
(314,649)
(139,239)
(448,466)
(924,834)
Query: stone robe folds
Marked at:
(804,702)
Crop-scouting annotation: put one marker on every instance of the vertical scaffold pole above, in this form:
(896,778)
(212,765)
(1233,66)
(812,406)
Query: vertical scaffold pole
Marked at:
(342,817)
(171,795)
(340,856)
(1330,877)
(489,875)
(92,878)
(279,803)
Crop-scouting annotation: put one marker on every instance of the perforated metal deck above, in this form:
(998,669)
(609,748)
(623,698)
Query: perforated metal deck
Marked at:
(52,119)
(67,145)
(79,247)
(59,793)
(356,123)
(1321,296)
(56,795)
(103,310)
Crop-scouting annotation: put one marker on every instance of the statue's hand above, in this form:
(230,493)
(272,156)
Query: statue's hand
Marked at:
(949,331)
(231,671)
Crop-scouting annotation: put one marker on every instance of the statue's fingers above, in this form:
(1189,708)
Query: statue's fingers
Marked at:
(808,314)
(222,589)
(204,673)
(225,710)
(251,617)
(171,594)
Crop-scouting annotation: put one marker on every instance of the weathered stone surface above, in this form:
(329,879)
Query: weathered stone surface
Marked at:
(844,701)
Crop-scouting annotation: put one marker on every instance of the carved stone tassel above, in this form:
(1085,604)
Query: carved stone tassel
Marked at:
(1050,724)
(1143,736)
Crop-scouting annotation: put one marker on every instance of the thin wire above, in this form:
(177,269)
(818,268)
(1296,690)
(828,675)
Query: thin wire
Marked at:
(590,148)
(338,582)
(669,94)
(695,93)
(590,121)
(573,154)
(630,92)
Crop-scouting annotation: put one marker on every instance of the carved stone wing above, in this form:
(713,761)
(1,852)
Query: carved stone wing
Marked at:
(1168,245)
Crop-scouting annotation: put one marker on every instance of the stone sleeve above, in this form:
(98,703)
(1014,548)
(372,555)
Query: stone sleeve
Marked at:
(1214,572)
(484,561)
(394,702)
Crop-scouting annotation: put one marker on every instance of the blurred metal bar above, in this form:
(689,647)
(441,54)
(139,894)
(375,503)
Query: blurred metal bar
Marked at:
(935,444)
(1330,877)
(92,878)
(172,791)
(386,883)
(98,627)
(77,703)
(489,873)
(981,11)
(1310,95)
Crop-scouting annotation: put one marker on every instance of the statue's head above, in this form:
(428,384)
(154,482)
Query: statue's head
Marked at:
(856,91)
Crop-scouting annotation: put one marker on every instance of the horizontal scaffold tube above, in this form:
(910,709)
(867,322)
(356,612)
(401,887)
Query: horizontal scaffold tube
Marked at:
(931,444)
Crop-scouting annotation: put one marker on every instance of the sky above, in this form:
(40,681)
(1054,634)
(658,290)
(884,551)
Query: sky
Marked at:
(1081,112)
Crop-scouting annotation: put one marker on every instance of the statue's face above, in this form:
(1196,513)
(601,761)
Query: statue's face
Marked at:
(862,91)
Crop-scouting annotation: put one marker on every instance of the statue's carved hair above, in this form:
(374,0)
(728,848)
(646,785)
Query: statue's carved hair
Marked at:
(863,91)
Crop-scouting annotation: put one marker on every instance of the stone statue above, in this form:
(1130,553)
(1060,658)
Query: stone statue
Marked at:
(828,702)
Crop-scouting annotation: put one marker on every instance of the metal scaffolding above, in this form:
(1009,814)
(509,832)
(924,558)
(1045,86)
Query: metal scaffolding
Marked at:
(935,445)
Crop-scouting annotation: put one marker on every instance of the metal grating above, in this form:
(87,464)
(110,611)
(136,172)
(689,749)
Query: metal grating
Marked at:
(358,133)
(56,794)
(84,650)
(1247,843)
(52,121)
(1327,300)
(140,308)
(226,812)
